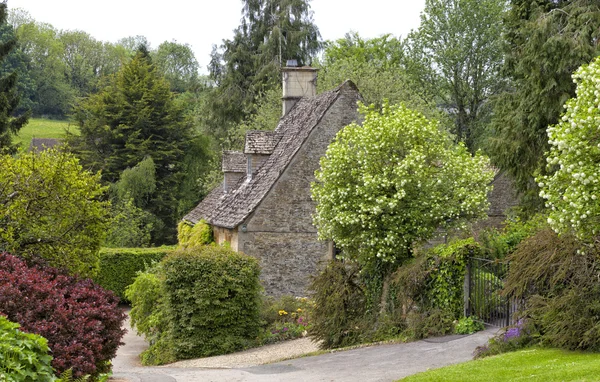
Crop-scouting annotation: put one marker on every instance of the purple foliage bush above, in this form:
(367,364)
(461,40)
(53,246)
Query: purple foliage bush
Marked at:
(80,320)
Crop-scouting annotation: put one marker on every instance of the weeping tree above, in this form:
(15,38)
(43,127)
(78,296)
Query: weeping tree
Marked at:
(546,41)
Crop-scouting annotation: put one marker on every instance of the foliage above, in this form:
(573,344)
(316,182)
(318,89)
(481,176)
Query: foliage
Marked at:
(178,65)
(560,288)
(199,302)
(392,182)
(149,315)
(9,96)
(552,365)
(546,41)
(247,66)
(80,320)
(130,226)
(212,294)
(518,336)
(498,244)
(23,356)
(285,318)
(132,118)
(572,188)
(377,67)
(455,56)
(468,325)
(447,268)
(339,305)
(119,266)
(190,236)
(52,208)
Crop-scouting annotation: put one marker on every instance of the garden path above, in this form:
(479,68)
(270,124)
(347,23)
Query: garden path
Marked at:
(376,363)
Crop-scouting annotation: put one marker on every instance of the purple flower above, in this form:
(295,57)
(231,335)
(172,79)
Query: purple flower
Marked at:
(285,329)
(512,333)
(299,320)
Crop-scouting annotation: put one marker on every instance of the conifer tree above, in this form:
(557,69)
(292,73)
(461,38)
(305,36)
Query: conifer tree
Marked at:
(9,96)
(133,118)
(546,41)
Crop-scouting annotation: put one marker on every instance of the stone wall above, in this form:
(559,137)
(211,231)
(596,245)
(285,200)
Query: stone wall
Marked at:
(280,232)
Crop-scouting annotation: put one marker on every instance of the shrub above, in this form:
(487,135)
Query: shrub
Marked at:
(340,305)
(23,356)
(148,316)
(119,266)
(189,236)
(468,325)
(497,244)
(558,283)
(212,294)
(210,300)
(80,320)
(52,208)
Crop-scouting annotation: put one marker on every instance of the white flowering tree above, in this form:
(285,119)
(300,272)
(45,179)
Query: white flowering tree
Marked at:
(394,181)
(572,191)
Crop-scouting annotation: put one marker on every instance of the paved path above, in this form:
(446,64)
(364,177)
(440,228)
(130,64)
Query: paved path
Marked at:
(376,363)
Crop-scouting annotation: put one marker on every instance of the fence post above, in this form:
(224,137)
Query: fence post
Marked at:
(467,289)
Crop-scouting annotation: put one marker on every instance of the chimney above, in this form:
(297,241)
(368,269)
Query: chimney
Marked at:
(298,82)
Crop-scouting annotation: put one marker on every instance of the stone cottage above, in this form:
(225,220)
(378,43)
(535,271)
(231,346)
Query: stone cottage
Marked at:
(264,208)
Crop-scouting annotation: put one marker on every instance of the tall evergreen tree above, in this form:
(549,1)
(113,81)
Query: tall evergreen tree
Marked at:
(546,41)
(9,95)
(247,66)
(135,117)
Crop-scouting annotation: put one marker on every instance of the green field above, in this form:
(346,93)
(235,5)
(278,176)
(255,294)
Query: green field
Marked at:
(42,128)
(534,364)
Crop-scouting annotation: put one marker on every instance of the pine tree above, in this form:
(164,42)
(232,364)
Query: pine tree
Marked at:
(135,117)
(9,96)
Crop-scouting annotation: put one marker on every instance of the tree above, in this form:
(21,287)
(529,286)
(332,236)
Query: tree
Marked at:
(247,66)
(53,94)
(9,96)
(178,65)
(572,189)
(455,56)
(135,117)
(546,41)
(391,183)
(378,68)
(52,208)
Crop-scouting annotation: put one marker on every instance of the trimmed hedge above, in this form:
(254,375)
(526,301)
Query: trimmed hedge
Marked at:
(23,356)
(119,266)
(212,297)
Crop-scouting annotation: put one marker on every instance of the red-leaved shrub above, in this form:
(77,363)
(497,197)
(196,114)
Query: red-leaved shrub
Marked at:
(80,320)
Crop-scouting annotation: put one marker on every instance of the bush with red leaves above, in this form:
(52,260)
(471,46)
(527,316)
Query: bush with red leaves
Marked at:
(80,320)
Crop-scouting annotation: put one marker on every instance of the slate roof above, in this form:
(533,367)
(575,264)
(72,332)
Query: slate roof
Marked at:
(231,209)
(261,142)
(41,144)
(233,161)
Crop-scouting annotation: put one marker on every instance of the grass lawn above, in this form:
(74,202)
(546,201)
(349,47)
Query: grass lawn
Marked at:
(42,128)
(533,364)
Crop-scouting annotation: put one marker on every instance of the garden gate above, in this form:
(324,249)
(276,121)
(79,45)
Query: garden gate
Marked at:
(484,281)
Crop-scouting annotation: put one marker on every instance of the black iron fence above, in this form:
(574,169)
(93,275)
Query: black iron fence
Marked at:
(484,299)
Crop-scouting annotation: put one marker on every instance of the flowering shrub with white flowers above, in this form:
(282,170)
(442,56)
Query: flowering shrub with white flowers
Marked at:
(572,191)
(393,181)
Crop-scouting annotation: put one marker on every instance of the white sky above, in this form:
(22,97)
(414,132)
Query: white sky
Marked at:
(202,23)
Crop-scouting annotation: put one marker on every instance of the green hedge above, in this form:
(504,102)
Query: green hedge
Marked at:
(212,299)
(119,266)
